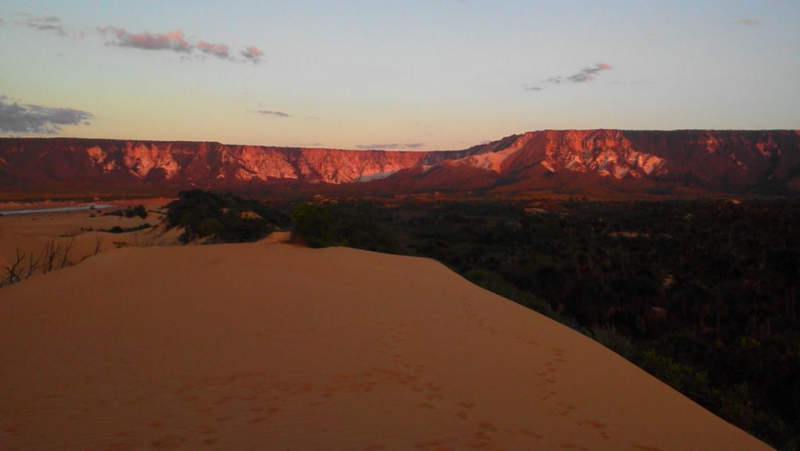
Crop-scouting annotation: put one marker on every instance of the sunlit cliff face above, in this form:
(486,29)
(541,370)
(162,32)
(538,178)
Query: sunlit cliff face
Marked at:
(314,165)
(606,152)
(736,158)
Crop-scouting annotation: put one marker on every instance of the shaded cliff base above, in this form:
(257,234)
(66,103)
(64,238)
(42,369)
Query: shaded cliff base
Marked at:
(563,187)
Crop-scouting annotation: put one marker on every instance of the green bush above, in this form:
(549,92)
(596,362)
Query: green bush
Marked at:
(314,224)
(118,229)
(497,284)
(702,294)
(222,217)
(137,210)
(348,223)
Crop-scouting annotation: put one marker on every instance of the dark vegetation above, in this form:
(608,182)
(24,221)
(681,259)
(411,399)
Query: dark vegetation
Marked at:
(222,217)
(701,294)
(129,212)
(54,255)
(119,229)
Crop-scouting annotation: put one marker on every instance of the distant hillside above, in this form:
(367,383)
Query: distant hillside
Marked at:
(572,161)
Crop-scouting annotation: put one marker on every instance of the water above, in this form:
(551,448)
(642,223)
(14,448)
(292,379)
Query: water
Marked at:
(54,209)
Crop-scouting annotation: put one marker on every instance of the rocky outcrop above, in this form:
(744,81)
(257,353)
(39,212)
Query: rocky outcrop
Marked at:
(716,160)
(720,161)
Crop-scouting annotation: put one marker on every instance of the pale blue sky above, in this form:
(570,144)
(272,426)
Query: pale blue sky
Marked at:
(428,74)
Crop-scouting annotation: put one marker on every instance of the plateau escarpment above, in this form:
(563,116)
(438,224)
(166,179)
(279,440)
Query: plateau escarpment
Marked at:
(718,161)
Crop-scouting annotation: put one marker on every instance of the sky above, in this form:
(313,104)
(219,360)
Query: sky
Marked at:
(414,75)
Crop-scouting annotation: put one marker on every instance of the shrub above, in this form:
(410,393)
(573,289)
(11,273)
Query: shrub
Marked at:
(360,224)
(223,218)
(118,229)
(315,225)
(137,210)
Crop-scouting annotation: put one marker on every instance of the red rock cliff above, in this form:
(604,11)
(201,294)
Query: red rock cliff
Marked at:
(717,160)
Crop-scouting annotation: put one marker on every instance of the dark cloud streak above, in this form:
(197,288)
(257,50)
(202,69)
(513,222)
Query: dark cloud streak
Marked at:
(17,118)
(279,114)
(749,21)
(585,75)
(389,146)
(48,23)
(252,53)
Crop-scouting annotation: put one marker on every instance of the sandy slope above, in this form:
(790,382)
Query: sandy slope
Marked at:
(270,346)
(30,233)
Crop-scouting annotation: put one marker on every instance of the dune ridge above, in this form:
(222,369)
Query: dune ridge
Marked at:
(272,346)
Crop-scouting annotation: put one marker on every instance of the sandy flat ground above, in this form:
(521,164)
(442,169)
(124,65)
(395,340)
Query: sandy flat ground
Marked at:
(272,346)
(30,233)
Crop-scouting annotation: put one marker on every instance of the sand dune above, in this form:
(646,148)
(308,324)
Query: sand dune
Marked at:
(30,233)
(270,346)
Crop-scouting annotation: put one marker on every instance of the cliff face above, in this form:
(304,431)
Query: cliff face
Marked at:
(604,152)
(29,160)
(716,160)
(721,161)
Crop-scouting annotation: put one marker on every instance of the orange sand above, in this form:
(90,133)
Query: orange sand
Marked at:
(271,346)
(31,232)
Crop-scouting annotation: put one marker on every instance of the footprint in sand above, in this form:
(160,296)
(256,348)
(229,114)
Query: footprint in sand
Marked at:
(529,433)
(207,429)
(646,448)
(168,442)
(595,424)
(375,447)
(438,442)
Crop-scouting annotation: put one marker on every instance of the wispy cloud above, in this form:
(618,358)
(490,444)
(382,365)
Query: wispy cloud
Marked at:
(252,53)
(218,50)
(175,41)
(26,118)
(390,146)
(42,23)
(749,21)
(627,82)
(172,40)
(584,75)
(279,114)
